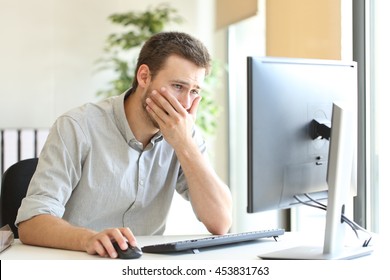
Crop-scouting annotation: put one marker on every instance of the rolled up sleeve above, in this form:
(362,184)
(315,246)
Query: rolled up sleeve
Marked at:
(58,171)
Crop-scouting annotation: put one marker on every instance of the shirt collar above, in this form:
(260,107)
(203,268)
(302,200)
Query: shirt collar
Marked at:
(124,128)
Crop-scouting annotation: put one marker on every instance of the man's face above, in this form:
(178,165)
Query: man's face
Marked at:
(181,78)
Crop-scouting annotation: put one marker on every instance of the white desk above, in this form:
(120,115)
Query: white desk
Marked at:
(241,251)
(219,263)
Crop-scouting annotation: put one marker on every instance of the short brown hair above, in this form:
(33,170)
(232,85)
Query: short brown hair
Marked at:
(160,46)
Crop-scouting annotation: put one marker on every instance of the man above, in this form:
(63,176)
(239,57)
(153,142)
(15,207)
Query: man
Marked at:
(108,171)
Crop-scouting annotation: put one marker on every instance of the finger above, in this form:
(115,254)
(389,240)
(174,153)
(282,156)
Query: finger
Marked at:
(105,239)
(167,102)
(195,105)
(100,250)
(128,234)
(94,246)
(117,235)
(171,102)
(162,105)
(162,109)
(155,111)
(109,248)
(101,245)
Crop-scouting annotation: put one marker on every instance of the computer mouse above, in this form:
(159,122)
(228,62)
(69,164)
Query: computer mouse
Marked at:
(130,253)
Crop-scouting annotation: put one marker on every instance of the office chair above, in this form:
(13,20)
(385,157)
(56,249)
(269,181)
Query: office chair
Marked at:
(14,184)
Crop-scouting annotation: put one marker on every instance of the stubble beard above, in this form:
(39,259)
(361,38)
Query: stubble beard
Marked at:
(146,114)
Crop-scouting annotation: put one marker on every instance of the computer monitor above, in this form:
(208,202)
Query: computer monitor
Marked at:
(291,111)
(285,95)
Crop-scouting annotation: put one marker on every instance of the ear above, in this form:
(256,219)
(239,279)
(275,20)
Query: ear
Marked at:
(143,75)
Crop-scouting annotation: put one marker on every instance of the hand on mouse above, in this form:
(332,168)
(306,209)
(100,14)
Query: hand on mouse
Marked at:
(101,243)
(132,252)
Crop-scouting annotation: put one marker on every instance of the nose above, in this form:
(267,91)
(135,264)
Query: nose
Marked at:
(185,100)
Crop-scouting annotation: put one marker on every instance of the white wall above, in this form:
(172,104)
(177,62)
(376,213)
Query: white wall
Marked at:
(48,52)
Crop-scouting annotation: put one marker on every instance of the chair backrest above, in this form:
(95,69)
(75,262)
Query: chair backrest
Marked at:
(14,184)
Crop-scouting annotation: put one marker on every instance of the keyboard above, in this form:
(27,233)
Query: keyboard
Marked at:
(211,241)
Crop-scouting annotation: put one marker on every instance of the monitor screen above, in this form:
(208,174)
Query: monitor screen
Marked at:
(285,157)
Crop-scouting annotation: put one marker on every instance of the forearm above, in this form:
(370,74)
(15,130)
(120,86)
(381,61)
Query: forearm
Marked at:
(50,231)
(210,197)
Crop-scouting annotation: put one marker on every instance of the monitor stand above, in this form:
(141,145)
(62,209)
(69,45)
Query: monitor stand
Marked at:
(340,166)
(316,253)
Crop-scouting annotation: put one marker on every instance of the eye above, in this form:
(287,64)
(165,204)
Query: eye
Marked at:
(195,91)
(177,86)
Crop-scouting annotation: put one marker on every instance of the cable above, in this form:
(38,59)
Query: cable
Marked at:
(353,225)
(344,218)
(323,207)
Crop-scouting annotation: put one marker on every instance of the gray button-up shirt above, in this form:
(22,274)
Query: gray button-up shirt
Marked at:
(93,173)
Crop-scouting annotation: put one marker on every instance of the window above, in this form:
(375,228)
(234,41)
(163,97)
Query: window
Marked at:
(379,58)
